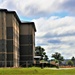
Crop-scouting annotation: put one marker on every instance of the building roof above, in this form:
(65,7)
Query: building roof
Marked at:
(15,14)
(11,12)
(30,23)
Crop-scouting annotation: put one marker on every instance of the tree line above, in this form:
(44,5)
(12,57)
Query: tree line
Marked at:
(57,57)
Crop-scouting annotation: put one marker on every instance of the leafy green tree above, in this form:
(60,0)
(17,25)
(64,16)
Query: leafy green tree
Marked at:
(73,59)
(70,63)
(46,58)
(58,57)
(39,51)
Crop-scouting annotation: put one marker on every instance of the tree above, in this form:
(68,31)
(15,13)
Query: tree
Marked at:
(39,51)
(46,58)
(70,63)
(58,57)
(73,59)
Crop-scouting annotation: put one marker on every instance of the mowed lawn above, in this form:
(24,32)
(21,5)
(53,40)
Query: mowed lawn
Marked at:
(36,71)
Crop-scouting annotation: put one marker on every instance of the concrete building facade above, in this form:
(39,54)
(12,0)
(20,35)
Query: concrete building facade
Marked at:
(27,43)
(17,40)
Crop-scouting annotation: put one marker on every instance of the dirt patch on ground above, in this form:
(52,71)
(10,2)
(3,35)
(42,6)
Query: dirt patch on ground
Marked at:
(61,68)
(67,67)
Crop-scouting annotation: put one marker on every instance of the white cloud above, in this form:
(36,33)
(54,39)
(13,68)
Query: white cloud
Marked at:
(68,6)
(38,8)
(56,34)
(58,26)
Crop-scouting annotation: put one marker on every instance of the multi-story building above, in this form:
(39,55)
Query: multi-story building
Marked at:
(27,43)
(17,40)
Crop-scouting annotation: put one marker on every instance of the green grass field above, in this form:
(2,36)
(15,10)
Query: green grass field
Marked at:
(36,71)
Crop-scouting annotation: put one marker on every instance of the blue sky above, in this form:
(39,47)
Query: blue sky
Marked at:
(54,20)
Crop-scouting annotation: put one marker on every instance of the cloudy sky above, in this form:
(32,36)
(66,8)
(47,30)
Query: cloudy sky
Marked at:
(54,20)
